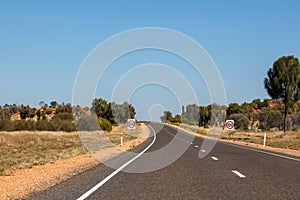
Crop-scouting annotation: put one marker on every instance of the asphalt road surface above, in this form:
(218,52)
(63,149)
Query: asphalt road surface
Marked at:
(227,172)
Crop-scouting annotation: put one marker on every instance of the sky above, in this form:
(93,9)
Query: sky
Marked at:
(44,43)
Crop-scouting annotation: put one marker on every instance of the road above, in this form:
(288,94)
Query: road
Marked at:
(228,172)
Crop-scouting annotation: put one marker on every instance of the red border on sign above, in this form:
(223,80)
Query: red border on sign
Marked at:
(131,122)
(229,122)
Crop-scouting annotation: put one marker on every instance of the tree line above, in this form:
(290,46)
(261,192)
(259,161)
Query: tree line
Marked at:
(283,86)
(257,114)
(61,117)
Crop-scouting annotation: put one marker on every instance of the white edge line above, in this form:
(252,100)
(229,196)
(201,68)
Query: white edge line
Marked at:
(239,174)
(93,189)
(260,151)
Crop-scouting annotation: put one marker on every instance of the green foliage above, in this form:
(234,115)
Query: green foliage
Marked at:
(113,112)
(24,112)
(64,108)
(53,104)
(4,113)
(241,122)
(6,125)
(167,117)
(67,126)
(64,116)
(38,114)
(283,82)
(105,125)
(269,118)
(257,103)
(205,115)
(177,119)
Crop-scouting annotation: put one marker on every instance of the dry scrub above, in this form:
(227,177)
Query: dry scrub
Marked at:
(288,140)
(25,149)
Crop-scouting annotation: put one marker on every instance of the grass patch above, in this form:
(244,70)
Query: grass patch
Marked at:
(25,149)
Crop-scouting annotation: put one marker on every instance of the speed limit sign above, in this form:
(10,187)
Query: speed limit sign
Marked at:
(131,123)
(229,124)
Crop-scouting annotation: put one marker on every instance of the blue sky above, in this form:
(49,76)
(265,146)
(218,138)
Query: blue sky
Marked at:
(43,43)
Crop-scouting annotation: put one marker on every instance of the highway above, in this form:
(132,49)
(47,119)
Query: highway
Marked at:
(227,172)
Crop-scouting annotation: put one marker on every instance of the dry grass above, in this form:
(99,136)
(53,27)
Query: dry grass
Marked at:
(25,149)
(288,140)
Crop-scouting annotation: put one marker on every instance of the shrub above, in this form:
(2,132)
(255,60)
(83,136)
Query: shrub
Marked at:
(64,116)
(105,125)
(240,121)
(67,126)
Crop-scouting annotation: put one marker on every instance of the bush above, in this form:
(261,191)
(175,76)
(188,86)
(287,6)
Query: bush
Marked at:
(240,121)
(105,125)
(64,116)
(43,125)
(67,126)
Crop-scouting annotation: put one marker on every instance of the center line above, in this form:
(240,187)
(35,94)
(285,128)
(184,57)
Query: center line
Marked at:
(239,174)
(214,158)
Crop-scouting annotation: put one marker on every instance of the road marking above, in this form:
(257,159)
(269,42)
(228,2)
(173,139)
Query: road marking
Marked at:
(203,150)
(214,158)
(96,187)
(196,146)
(260,151)
(239,174)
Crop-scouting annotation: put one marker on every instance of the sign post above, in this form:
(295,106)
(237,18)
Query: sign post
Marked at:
(265,138)
(121,142)
(229,126)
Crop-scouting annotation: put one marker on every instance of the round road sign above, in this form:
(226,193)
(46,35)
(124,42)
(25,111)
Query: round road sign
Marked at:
(131,123)
(229,124)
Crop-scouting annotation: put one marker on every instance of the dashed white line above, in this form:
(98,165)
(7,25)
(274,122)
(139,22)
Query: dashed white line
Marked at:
(214,158)
(238,174)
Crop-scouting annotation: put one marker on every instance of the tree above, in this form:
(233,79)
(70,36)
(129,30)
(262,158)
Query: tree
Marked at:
(53,104)
(233,108)
(38,114)
(283,82)
(167,116)
(24,112)
(42,104)
(205,116)
(177,119)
